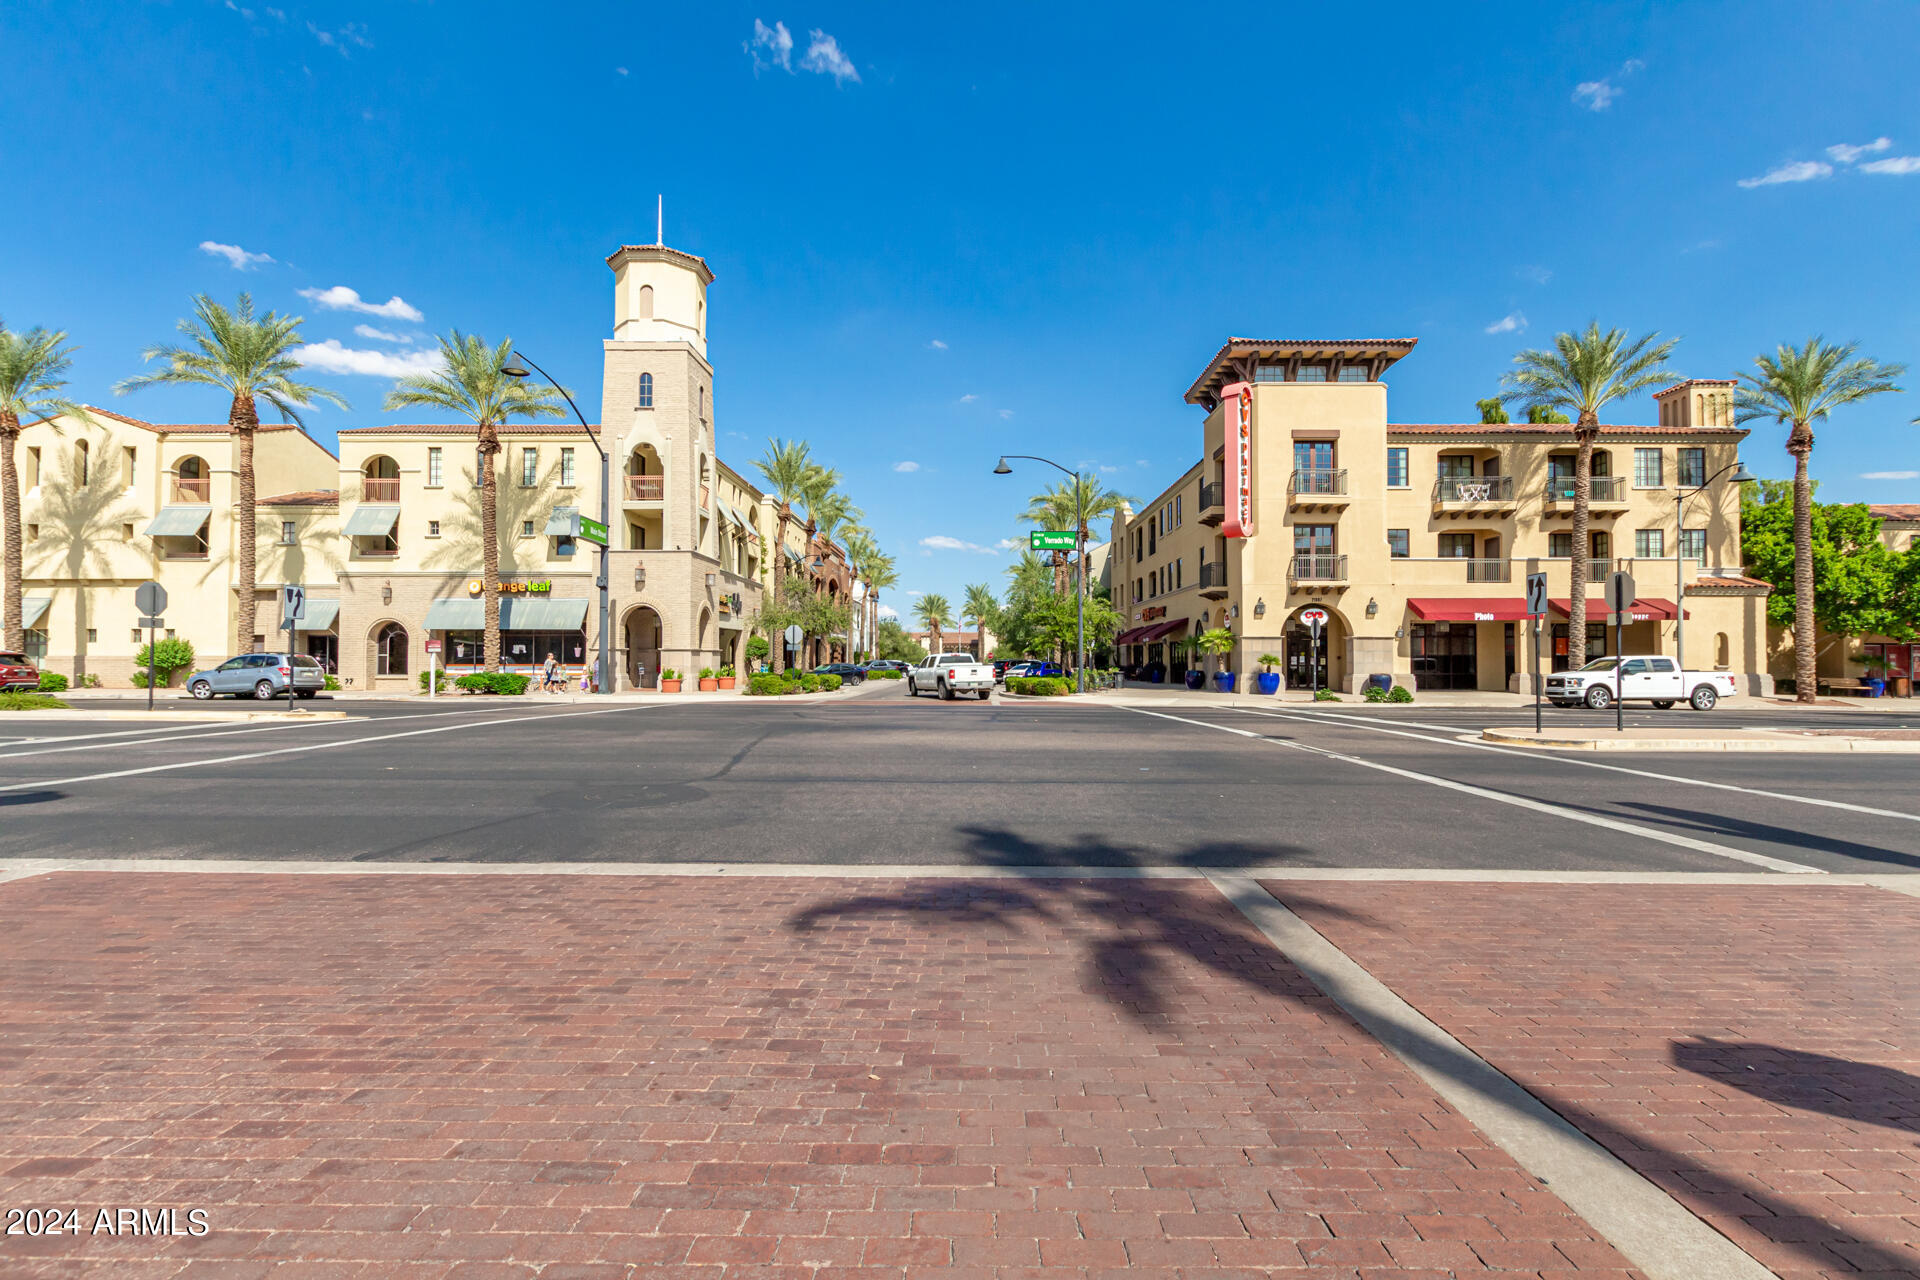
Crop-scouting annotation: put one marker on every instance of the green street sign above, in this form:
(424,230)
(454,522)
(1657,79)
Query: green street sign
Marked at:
(1052,540)
(593,531)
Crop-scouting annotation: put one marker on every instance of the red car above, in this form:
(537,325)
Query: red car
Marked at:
(16,672)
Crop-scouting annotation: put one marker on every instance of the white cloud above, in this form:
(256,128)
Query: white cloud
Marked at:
(1798,171)
(770,47)
(1595,95)
(906,466)
(941,542)
(1890,475)
(621,71)
(824,56)
(1539,275)
(888,611)
(968,399)
(916,593)
(1108,470)
(1893,164)
(1512,322)
(1141,462)
(1848,154)
(237,258)
(334,358)
(341,298)
(352,33)
(1006,413)
(1012,544)
(378,335)
(936,345)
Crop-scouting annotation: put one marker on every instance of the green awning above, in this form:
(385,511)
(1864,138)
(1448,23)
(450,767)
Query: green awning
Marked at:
(793,555)
(320,615)
(182,522)
(560,523)
(372,520)
(33,610)
(517,613)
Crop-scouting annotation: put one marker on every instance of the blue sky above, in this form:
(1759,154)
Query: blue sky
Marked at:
(941,234)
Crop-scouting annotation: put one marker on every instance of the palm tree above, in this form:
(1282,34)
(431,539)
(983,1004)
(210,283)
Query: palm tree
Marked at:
(1582,375)
(30,367)
(980,606)
(861,550)
(470,382)
(251,360)
(788,469)
(1057,508)
(880,577)
(1798,387)
(934,613)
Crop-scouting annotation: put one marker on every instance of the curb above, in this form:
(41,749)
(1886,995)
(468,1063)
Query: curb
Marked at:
(1805,746)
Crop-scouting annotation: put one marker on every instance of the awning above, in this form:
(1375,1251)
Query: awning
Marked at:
(560,523)
(1645,609)
(517,613)
(1160,631)
(182,522)
(793,555)
(372,520)
(1469,608)
(32,610)
(1131,635)
(320,615)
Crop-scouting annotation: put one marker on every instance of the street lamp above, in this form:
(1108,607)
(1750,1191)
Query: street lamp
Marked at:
(513,368)
(1680,499)
(1080,551)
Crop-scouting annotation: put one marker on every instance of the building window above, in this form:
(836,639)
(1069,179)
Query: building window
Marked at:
(33,533)
(1398,544)
(93,635)
(646,391)
(563,548)
(1599,545)
(566,468)
(1179,573)
(1177,516)
(1456,546)
(1721,651)
(1649,544)
(1354,373)
(126,466)
(33,467)
(82,457)
(529,467)
(1397,469)
(1270,373)
(646,302)
(526,528)
(390,650)
(433,528)
(1693,545)
(1312,373)
(1692,468)
(433,467)
(126,533)
(700,404)
(286,533)
(1646,469)
(1560,546)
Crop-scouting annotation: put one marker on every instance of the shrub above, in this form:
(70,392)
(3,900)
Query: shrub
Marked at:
(505,682)
(883,673)
(439,680)
(1373,693)
(30,702)
(668,673)
(706,673)
(169,656)
(829,682)
(90,681)
(1039,686)
(765,686)
(331,683)
(52,682)
(726,673)
(758,648)
(809,683)
(1400,694)
(1325,695)
(1269,661)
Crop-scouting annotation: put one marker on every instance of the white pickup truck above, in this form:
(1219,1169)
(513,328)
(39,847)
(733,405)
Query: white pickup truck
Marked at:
(1639,679)
(949,674)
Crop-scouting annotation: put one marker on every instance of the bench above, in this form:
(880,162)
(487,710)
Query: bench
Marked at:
(1852,686)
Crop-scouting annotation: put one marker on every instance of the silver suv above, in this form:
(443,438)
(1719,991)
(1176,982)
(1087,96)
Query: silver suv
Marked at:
(261,675)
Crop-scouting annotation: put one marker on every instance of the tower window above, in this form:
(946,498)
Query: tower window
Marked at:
(646,302)
(646,391)
(700,404)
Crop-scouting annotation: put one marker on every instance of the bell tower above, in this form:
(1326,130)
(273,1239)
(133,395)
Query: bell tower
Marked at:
(659,295)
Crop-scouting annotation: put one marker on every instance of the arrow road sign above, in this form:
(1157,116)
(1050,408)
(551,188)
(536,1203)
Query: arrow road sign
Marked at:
(1620,592)
(150,598)
(293,604)
(1536,595)
(1052,540)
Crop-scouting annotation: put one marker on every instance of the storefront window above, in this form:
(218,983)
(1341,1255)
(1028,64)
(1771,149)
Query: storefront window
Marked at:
(517,648)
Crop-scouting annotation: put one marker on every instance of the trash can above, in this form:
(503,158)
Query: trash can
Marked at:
(1383,683)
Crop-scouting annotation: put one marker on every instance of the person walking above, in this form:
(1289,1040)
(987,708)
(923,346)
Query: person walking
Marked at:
(551,680)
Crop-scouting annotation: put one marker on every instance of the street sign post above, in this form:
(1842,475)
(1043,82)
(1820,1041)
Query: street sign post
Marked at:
(150,598)
(1620,597)
(794,635)
(1315,618)
(1051,540)
(293,607)
(1536,613)
(593,531)
(433,650)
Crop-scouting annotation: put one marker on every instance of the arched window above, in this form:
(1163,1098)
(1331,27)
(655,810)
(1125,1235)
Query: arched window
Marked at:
(646,391)
(700,404)
(390,650)
(191,482)
(81,456)
(646,302)
(1722,651)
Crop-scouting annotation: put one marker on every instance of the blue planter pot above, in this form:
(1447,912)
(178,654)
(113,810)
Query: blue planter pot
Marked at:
(1223,681)
(1196,679)
(1156,677)
(1268,681)
(1876,687)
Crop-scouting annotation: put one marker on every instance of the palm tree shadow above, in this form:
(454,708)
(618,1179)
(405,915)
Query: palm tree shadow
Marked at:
(1721,824)
(1860,1092)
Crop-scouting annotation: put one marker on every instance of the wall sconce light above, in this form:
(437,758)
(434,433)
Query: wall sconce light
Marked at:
(1233,611)
(1399,633)
(711,579)
(1373,607)
(386,593)
(1260,608)
(639,577)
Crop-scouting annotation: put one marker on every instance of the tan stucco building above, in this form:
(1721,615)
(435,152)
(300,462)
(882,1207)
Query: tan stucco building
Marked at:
(1416,539)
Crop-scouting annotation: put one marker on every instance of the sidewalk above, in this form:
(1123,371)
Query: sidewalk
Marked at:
(1712,738)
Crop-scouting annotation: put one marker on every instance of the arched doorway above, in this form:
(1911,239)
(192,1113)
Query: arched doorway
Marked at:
(389,650)
(645,475)
(645,636)
(1315,664)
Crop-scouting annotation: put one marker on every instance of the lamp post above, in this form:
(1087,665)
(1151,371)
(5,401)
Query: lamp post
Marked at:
(1680,499)
(1080,553)
(515,369)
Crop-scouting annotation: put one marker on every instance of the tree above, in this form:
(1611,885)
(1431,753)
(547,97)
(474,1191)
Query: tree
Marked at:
(861,553)
(895,644)
(1056,508)
(470,383)
(1216,643)
(881,576)
(788,469)
(981,607)
(1539,415)
(831,512)
(934,613)
(1860,586)
(1798,387)
(1491,409)
(30,367)
(1582,375)
(251,360)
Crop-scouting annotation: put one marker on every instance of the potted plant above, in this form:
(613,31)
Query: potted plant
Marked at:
(669,680)
(1876,665)
(709,680)
(1268,680)
(726,677)
(1185,651)
(1217,643)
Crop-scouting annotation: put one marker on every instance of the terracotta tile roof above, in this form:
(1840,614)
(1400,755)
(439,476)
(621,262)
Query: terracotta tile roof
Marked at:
(1207,386)
(1684,383)
(1551,429)
(467,429)
(303,498)
(189,428)
(662,251)
(1731,583)
(1902,511)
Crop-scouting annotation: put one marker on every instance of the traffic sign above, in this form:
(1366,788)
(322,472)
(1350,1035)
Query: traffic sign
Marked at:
(150,622)
(150,597)
(1315,617)
(1052,540)
(592,530)
(293,604)
(1536,595)
(1620,592)
(795,635)
(433,646)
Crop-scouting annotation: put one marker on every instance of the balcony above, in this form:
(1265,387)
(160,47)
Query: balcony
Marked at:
(646,488)
(1609,495)
(1314,571)
(1489,571)
(1457,496)
(377,489)
(1325,487)
(1213,503)
(1213,580)
(194,491)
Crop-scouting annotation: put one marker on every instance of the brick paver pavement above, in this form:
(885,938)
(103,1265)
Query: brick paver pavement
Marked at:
(1754,1050)
(581,1077)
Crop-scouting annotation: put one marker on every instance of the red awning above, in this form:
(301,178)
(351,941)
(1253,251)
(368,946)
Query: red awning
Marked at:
(1160,631)
(1645,609)
(1469,608)
(1131,635)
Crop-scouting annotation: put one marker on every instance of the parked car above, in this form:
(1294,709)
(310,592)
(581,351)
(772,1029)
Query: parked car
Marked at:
(847,671)
(951,674)
(890,664)
(1639,678)
(18,672)
(260,675)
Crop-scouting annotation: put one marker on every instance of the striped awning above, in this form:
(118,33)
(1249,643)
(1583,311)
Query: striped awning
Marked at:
(34,610)
(372,520)
(517,613)
(181,521)
(560,523)
(320,615)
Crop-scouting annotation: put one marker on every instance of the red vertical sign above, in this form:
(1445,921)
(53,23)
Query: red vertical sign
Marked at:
(1236,403)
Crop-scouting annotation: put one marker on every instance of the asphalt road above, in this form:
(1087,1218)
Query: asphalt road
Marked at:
(880,778)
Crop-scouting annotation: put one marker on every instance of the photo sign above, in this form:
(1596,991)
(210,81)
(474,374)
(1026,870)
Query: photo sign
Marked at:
(1236,406)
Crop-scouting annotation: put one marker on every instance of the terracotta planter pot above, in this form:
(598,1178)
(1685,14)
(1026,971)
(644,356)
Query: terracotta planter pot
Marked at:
(669,686)
(709,685)
(726,682)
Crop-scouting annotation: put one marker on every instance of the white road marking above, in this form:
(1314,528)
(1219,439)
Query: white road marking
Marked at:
(213,729)
(44,783)
(1352,722)
(1518,802)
